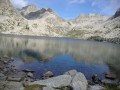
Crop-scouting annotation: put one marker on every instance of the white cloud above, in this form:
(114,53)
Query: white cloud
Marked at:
(107,7)
(77,1)
(19,3)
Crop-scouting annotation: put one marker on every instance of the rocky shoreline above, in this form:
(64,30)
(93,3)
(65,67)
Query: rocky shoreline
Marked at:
(13,79)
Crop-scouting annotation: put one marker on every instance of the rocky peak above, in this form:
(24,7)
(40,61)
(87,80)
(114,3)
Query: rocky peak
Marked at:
(50,10)
(37,14)
(43,10)
(117,14)
(28,9)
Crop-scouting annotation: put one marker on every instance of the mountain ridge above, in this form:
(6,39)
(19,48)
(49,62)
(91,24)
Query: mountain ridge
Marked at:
(31,20)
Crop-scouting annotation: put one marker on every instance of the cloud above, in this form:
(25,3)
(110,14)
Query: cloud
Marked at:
(19,3)
(107,7)
(77,1)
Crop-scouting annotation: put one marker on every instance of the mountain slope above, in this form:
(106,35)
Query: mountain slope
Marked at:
(10,19)
(31,20)
(46,22)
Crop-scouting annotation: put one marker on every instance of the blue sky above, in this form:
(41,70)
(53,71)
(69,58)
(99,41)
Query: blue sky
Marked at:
(72,8)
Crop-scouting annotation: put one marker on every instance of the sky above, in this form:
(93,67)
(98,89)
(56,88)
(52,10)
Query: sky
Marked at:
(69,9)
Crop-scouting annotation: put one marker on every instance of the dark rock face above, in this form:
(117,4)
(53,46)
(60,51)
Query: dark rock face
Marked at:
(117,14)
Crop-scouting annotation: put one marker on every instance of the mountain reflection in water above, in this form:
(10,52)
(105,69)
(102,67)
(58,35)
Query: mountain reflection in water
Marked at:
(60,55)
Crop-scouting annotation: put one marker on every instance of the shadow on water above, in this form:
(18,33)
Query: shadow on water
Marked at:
(60,55)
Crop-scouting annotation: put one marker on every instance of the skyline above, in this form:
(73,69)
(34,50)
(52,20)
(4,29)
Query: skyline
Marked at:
(69,9)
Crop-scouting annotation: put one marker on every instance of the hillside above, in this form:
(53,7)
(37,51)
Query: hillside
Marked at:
(31,20)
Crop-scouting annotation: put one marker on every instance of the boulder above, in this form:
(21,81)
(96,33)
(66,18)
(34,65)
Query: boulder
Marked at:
(15,76)
(14,86)
(110,75)
(79,82)
(47,75)
(2,76)
(119,87)
(72,73)
(59,81)
(96,87)
(30,75)
(109,82)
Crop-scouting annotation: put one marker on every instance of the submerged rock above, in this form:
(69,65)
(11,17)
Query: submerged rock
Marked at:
(79,82)
(62,80)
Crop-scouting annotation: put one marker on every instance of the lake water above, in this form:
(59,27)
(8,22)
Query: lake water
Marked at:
(60,55)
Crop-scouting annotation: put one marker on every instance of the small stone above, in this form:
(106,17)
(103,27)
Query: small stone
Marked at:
(28,70)
(12,59)
(2,75)
(30,75)
(96,87)
(110,75)
(90,82)
(47,75)
(119,87)
(17,79)
(109,82)
(95,79)
(5,70)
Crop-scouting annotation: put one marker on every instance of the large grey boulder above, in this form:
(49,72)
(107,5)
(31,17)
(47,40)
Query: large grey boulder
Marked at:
(79,82)
(62,80)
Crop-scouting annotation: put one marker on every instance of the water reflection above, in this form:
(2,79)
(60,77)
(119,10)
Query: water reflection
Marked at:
(64,54)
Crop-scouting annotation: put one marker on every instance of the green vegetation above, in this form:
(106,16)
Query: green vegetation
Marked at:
(76,33)
(34,87)
(98,38)
(111,87)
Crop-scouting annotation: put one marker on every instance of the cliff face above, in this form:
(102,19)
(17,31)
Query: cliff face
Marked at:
(10,19)
(31,20)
